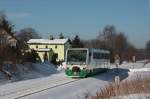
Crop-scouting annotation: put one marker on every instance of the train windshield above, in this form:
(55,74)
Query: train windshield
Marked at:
(76,56)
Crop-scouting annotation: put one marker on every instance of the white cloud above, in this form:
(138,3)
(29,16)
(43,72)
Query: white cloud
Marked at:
(19,15)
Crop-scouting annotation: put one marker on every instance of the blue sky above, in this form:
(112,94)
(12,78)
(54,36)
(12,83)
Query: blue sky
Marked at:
(83,17)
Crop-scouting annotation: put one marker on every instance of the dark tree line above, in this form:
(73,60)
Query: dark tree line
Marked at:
(148,46)
(116,42)
(9,53)
(109,38)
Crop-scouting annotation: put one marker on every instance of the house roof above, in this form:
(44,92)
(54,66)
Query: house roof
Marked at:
(47,41)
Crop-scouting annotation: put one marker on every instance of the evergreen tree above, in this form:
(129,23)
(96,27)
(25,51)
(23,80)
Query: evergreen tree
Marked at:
(76,43)
(51,37)
(61,36)
(31,56)
(54,58)
(69,40)
(5,24)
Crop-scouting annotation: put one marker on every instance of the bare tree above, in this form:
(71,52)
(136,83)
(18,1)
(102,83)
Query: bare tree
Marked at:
(61,36)
(148,46)
(110,39)
(109,33)
(120,43)
(27,34)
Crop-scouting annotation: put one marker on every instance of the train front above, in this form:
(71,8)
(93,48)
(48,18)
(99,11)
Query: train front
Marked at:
(76,62)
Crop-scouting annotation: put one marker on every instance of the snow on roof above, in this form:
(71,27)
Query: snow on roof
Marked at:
(47,41)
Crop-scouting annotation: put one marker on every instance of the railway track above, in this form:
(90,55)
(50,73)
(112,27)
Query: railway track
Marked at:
(25,88)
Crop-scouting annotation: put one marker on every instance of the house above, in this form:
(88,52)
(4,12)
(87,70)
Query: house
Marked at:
(44,48)
(7,39)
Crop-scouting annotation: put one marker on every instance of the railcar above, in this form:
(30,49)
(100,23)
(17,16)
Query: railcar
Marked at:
(84,62)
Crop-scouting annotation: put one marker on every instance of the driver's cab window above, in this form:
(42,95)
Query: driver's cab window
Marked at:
(89,60)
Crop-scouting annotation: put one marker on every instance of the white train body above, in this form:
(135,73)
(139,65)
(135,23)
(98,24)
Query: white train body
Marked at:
(81,62)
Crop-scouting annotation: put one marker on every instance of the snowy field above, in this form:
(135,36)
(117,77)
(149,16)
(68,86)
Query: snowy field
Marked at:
(58,86)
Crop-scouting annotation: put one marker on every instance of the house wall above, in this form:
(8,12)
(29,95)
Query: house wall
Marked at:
(59,49)
(41,55)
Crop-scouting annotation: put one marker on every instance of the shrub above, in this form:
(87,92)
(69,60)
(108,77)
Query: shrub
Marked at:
(31,56)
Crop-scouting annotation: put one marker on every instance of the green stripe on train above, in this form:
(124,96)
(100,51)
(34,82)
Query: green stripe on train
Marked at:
(84,73)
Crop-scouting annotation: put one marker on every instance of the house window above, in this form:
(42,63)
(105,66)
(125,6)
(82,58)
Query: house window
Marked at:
(55,46)
(46,46)
(36,46)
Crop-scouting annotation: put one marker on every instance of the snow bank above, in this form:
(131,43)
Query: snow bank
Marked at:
(45,68)
(141,69)
(29,71)
(62,67)
(34,70)
(147,65)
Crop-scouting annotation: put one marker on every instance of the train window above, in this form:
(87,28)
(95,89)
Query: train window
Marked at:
(97,55)
(101,56)
(90,54)
(107,56)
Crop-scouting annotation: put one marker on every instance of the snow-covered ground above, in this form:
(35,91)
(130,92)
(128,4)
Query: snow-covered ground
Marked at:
(58,86)
(29,71)
(137,70)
